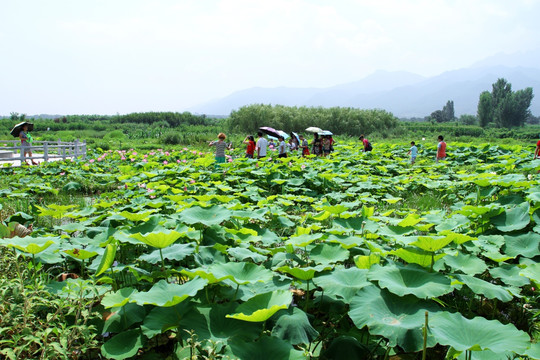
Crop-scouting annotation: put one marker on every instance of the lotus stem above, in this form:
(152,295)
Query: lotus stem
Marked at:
(162,261)
(307,298)
(424,349)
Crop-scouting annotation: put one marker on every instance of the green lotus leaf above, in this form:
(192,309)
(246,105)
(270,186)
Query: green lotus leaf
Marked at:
(165,294)
(328,254)
(304,239)
(355,223)
(345,347)
(367,261)
(210,322)
(71,227)
(512,219)
(122,318)
(161,319)
(345,241)
(342,284)
(303,273)
(266,348)
(527,245)
(484,288)
(411,279)
(533,351)
(31,245)
(107,259)
(159,240)
(80,254)
(532,272)
(467,264)
(397,318)
(242,254)
(213,215)
(293,326)
(417,256)
(123,345)
(410,220)
(118,298)
(175,252)
(394,231)
(430,244)
(263,306)
(510,275)
(477,334)
(335,209)
(77,289)
(240,272)
(454,222)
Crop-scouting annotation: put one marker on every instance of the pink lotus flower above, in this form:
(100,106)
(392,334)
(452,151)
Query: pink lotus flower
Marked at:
(152,196)
(184,161)
(192,181)
(303,166)
(165,162)
(178,161)
(132,159)
(166,153)
(185,149)
(134,153)
(144,160)
(123,158)
(185,188)
(230,160)
(91,160)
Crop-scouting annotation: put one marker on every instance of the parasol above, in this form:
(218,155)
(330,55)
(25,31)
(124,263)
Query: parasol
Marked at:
(270,131)
(326,132)
(18,128)
(314,129)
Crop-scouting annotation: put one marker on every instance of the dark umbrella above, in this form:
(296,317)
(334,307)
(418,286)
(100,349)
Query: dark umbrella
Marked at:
(270,131)
(18,128)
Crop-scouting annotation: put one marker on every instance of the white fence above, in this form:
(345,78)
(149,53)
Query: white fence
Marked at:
(11,150)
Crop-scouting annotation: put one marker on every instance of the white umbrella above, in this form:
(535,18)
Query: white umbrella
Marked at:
(325,132)
(314,129)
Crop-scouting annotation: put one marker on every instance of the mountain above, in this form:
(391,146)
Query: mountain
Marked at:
(402,93)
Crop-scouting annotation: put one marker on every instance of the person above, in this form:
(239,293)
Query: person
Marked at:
(25,144)
(304,146)
(537,151)
(365,143)
(250,141)
(294,140)
(332,142)
(261,146)
(282,148)
(292,145)
(441,149)
(220,145)
(413,151)
(326,145)
(271,144)
(316,145)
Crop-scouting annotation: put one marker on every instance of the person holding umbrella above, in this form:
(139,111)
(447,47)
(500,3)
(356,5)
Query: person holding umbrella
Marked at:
(24,136)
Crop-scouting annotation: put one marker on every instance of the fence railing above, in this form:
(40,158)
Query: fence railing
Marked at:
(12,150)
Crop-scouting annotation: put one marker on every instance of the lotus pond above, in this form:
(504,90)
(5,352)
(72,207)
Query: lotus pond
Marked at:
(353,256)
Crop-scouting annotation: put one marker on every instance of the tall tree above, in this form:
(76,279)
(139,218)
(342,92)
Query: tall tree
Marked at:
(448,111)
(485,109)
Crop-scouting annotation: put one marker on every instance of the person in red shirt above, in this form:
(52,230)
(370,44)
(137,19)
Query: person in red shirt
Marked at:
(365,142)
(441,149)
(250,150)
(537,151)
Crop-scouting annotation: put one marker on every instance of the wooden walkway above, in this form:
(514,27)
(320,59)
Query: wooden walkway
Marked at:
(12,153)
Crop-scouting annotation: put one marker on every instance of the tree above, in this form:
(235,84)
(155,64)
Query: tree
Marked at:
(485,109)
(437,116)
(466,119)
(448,111)
(504,107)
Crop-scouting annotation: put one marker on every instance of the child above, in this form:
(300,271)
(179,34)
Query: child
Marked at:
(365,143)
(250,150)
(220,145)
(413,152)
(282,148)
(292,144)
(441,149)
(304,146)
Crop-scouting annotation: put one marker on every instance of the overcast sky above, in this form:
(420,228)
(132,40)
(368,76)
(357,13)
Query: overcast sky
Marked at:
(109,56)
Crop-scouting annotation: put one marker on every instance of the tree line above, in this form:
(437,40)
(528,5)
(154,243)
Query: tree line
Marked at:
(346,121)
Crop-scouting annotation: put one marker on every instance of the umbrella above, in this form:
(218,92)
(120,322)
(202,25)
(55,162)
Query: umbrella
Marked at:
(325,132)
(314,129)
(270,131)
(284,134)
(296,136)
(18,128)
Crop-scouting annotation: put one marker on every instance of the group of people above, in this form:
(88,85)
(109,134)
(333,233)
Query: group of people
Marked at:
(320,146)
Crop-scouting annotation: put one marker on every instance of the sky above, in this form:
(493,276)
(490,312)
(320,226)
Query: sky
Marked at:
(123,56)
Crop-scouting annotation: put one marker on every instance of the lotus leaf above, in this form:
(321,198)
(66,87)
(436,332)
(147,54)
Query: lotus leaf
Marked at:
(430,244)
(174,252)
(122,318)
(397,318)
(266,348)
(158,240)
(303,240)
(328,254)
(527,245)
(477,334)
(241,272)
(213,215)
(118,298)
(304,273)
(512,219)
(410,279)
(467,264)
(367,261)
(487,289)
(263,306)
(123,345)
(342,284)
(242,254)
(165,294)
(510,275)
(346,347)
(417,256)
(31,245)
(161,319)
(293,326)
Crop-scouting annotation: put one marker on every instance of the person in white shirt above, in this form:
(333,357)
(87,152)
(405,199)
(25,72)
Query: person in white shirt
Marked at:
(282,148)
(262,144)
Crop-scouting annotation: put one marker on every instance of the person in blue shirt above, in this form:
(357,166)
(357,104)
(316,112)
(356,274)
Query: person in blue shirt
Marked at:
(413,151)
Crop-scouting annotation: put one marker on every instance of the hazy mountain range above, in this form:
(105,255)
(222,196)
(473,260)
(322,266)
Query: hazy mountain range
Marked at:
(403,93)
